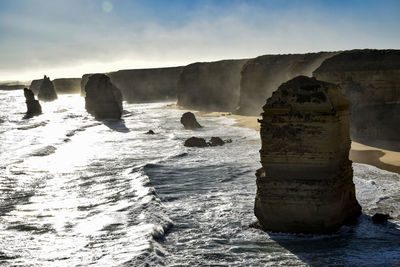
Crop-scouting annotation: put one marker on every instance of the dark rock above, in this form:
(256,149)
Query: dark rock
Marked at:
(103,100)
(33,105)
(144,84)
(195,142)
(305,184)
(35,86)
(67,85)
(189,121)
(216,141)
(150,132)
(46,90)
(227,141)
(380,218)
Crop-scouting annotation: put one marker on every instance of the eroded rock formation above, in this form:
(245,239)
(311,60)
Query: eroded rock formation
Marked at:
(46,90)
(32,105)
(103,100)
(371,81)
(195,142)
(35,86)
(189,121)
(305,183)
(262,75)
(211,85)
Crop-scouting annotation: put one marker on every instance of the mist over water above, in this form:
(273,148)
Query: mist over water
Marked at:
(75,191)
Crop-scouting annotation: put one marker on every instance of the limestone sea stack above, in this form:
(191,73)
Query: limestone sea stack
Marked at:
(33,106)
(305,184)
(103,100)
(46,90)
(189,121)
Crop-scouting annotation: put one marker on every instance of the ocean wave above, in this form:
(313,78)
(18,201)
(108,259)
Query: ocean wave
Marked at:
(45,151)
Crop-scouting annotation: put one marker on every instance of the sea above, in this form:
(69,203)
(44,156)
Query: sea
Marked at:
(75,191)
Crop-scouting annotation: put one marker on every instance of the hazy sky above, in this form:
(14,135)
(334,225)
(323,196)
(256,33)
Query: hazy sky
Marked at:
(71,37)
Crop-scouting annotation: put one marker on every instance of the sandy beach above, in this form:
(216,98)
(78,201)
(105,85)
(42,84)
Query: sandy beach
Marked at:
(381,158)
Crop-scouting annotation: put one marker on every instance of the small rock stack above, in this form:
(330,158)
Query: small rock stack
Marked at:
(305,184)
(46,90)
(103,100)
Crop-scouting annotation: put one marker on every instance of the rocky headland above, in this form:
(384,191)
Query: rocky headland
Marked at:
(46,90)
(103,99)
(262,75)
(210,85)
(144,84)
(67,85)
(371,81)
(305,183)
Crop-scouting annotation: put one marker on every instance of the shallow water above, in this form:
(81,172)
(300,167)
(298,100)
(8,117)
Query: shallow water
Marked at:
(75,192)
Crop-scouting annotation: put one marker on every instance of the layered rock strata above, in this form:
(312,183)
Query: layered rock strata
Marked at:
(305,183)
(46,90)
(262,75)
(103,99)
(370,79)
(211,85)
(32,105)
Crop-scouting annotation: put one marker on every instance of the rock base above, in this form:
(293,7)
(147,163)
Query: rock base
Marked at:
(305,205)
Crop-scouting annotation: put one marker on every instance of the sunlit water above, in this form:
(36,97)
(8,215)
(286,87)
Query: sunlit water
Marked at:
(76,192)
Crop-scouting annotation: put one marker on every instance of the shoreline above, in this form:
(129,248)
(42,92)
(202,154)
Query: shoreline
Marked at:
(359,153)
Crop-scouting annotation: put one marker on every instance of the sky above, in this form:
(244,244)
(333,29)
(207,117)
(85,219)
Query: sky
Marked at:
(67,38)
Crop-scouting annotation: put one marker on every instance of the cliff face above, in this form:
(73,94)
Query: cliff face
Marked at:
(144,84)
(305,184)
(371,81)
(211,85)
(67,85)
(262,75)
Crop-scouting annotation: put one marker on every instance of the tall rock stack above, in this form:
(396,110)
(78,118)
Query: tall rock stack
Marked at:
(103,100)
(46,90)
(32,105)
(305,184)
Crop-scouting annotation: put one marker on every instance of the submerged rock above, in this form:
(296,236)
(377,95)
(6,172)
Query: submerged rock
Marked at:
(305,184)
(150,132)
(195,142)
(33,105)
(216,141)
(380,218)
(46,90)
(103,100)
(189,121)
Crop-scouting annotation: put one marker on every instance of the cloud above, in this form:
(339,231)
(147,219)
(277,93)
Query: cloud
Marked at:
(79,36)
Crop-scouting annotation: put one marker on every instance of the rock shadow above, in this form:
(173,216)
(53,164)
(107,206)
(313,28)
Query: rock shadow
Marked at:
(116,125)
(362,243)
(372,157)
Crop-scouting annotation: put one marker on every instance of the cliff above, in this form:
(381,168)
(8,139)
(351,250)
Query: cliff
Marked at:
(144,84)
(211,85)
(262,75)
(371,81)
(305,183)
(67,85)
